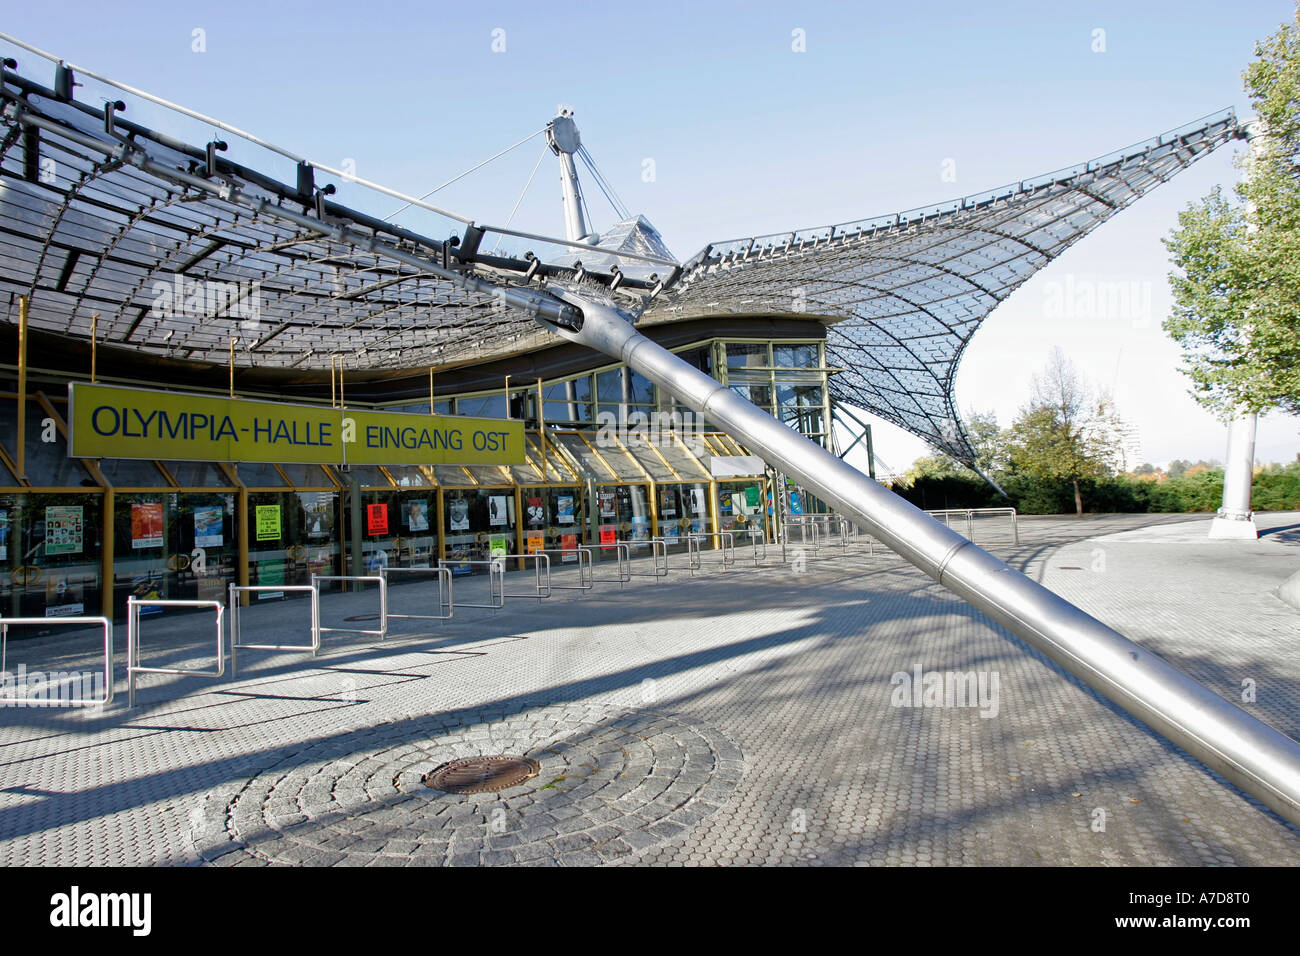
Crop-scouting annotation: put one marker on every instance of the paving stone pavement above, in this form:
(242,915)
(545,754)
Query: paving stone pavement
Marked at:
(752,716)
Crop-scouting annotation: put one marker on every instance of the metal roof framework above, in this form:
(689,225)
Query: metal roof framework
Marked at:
(180,252)
(906,292)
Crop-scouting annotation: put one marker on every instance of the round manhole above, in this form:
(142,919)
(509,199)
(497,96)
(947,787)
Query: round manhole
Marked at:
(482,774)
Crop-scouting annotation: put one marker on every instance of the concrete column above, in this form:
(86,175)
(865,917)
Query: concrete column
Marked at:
(1235,519)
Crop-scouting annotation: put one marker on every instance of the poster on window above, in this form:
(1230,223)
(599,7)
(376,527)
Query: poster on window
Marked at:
(608,535)
(4,535)
(147,525)
(724,502)
(751,496)
(535,510)
(320,515)
(569,542)
(458,515)
(64,529)
(207,526)
(607,504)
(417,515)
(268,523)
(536,541)
(564,509)
(668,503)
(497,514)
(377,519)
(796,506)
(497,546)
(697,501)
(458,557)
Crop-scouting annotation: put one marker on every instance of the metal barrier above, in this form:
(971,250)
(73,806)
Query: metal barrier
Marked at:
(133,666)
(496,574)
(445,599)
(541,561)
(235,590)
(585,581)
(970,513)
(727,544)
(692,550)
(623,554)
(657,551)
(757,539)
(105,623)
(380,632)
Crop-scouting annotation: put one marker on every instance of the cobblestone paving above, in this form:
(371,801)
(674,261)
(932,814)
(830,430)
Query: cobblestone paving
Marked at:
(752,716)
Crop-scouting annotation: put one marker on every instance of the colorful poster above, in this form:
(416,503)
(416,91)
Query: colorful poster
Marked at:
(147,587)
(569,542)
(270,573)
(724,502)
(497,513)
(536,541)
(207,526)
(607,504)
(320,514)
(147,525)
(697,501)
(608,535)
(268,524)
(457,555)
(376,560)
(796,506)
(458,515)
(4,535)
(564,509)
(535,510)
(377,519)
(417,515)
(497,546)
(64,529)
(668,503)
(752,496)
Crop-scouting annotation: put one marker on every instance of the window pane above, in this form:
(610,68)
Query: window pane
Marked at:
(795,356)
(741,355)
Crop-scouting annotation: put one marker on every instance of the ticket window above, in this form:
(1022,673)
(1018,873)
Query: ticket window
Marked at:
(552,518)
(50,550)
(633,512)
(477,523)
(682,510)
(741,505)
(291,536)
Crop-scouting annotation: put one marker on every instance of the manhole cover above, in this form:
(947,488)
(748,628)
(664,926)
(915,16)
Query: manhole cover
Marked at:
(482,774)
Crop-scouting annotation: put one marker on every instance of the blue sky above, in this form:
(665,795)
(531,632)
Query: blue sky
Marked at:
(746,135)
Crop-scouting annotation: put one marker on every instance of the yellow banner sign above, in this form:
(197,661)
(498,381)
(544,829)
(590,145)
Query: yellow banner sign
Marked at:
(108,421)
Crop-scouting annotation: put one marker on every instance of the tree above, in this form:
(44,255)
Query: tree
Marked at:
(987,438)
(1056,435)
(1236,284)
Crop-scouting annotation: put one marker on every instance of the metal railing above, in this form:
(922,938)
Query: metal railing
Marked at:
(726,544)
(105,623)
(445,596)
(496,576)
(658,554)
(623,556)
(133,666)
(692,549)
(587,580)
(237,590)
(969,514)
(380,632)
(542,587)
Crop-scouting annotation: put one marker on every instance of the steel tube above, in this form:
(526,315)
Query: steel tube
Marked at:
(1253,755)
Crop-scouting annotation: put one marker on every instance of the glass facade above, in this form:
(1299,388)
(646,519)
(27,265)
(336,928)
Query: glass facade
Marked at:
(78,537)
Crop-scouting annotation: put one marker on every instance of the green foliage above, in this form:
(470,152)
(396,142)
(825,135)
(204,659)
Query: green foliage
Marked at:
(1236,287)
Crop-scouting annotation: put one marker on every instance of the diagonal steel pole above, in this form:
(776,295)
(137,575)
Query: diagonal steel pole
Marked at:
(1259,759)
